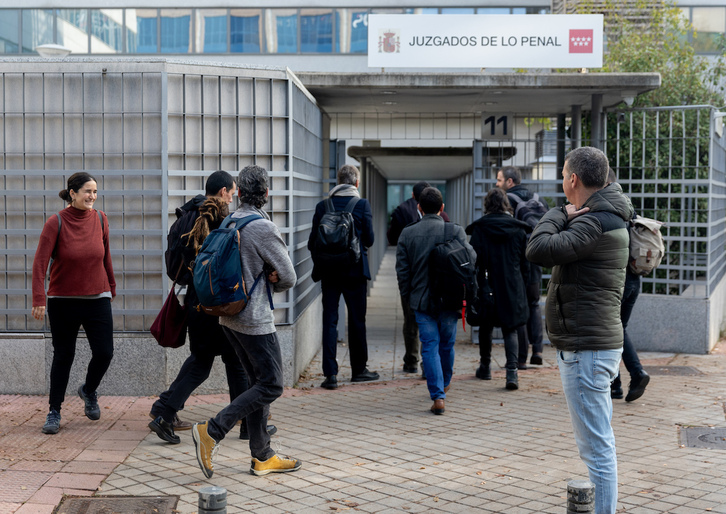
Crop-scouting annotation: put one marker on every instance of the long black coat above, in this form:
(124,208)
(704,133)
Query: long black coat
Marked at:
(500,242)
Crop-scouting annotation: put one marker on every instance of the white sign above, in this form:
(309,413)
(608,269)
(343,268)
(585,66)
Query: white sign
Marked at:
(497,125)
(485,41)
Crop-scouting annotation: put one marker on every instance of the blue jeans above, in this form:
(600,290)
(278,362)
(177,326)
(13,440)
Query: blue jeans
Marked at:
(586,376)
(437,334)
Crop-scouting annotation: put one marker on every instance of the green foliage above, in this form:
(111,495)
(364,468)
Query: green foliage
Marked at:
(653,37)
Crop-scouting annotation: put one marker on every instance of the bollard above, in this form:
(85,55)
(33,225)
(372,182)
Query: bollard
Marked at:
(580,496)
(212,500)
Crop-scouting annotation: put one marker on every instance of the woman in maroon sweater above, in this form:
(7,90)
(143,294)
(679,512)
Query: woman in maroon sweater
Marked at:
(80,292)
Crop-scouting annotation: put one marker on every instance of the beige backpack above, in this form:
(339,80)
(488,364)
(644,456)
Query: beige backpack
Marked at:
(646,245)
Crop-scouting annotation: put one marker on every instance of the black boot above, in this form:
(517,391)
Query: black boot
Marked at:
(512,381)
(483,372)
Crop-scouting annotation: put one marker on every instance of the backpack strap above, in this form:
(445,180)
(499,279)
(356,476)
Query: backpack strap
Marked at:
(351,204)
(329,205)
(448,228)
(241,223)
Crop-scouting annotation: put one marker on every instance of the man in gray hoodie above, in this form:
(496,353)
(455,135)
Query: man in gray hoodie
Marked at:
(252,334)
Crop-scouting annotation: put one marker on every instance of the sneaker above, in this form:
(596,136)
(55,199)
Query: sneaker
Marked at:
(274,464)
(176,422)
(164,430)
(205,446)
(637,386)
(536,359)
(52,422)
(410,368)
(245,435)
(93,411)
(616,393)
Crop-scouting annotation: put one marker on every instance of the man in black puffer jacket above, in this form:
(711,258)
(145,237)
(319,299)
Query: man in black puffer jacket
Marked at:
(586,244)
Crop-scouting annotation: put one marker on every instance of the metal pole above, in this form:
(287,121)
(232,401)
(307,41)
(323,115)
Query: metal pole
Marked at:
(212,500)
(576,127)
(580,496)
(596,119)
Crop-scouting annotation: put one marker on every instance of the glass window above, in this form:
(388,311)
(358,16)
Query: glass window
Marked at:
(72,29)
(37,28)
(283,34)
(146,30)
(538,10)
(493,10)
(519,10)
(245,31)
(352,28)
(211,31)
(9,31)
(176,31)
(428,10)
(316,30)
(457,10)
(107,31)
(708,23)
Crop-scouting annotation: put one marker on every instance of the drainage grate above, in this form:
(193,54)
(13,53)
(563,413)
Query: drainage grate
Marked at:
(704,437)
(117,505)
(679,371)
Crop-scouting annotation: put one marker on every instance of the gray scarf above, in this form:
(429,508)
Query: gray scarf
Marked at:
(344,190)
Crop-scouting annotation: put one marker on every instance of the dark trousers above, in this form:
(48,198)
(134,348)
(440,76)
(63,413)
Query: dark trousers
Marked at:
(410,334)
(261,357)
(533,332)
(630,356)
(206,341)
(66,315)
(354,291)
(510,345)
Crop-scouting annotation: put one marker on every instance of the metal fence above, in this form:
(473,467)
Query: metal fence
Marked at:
(670,162)
(150,131)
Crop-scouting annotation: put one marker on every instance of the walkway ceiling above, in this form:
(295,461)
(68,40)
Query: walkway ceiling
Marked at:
(553,93)
(416,93)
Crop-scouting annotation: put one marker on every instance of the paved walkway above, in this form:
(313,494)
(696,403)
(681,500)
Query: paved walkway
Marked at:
(375,447)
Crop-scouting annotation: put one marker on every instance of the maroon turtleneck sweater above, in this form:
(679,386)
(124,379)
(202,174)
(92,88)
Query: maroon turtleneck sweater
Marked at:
(82,263)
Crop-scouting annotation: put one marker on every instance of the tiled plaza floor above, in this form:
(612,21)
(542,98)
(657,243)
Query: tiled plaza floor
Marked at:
(375,447)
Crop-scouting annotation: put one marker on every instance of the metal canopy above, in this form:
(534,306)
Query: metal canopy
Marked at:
(547,93)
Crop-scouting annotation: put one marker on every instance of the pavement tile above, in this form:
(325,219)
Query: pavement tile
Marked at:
(85,481)
(35,508)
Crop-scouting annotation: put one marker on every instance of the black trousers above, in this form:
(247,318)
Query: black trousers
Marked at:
(262,359)
(354,291)
(207,340)
(66,316)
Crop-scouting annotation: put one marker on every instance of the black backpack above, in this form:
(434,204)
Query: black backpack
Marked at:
(336,242)
(530,211)
(178,255)
(452,274)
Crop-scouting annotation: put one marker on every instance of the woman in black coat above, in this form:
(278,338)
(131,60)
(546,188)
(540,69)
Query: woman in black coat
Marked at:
(500,241)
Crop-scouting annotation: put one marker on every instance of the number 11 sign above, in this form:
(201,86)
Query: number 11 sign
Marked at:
(497,125)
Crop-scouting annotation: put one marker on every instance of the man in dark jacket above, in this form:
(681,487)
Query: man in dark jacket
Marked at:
(206,339)
(509,178)
(586,244)
(350,281)
(437,328)
(404,215)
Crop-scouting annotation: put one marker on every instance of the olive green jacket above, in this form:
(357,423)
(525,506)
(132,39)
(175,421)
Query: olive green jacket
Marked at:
(588,256)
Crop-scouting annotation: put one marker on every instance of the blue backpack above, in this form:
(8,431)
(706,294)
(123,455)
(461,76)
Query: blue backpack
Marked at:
(217,270)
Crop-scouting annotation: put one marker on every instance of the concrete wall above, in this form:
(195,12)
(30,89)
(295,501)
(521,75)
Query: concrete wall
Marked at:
(141,367)
(678,324)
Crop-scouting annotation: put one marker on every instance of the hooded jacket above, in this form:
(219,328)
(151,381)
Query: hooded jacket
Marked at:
(500,242)
(588,256)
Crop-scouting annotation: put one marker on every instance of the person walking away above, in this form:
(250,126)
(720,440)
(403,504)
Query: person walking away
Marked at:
(402,216)
(586,244)
(639,378)
(437,327)
(206,337)
(500,242)
(509,178)
(80,292)
(349,279)
(252,334)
